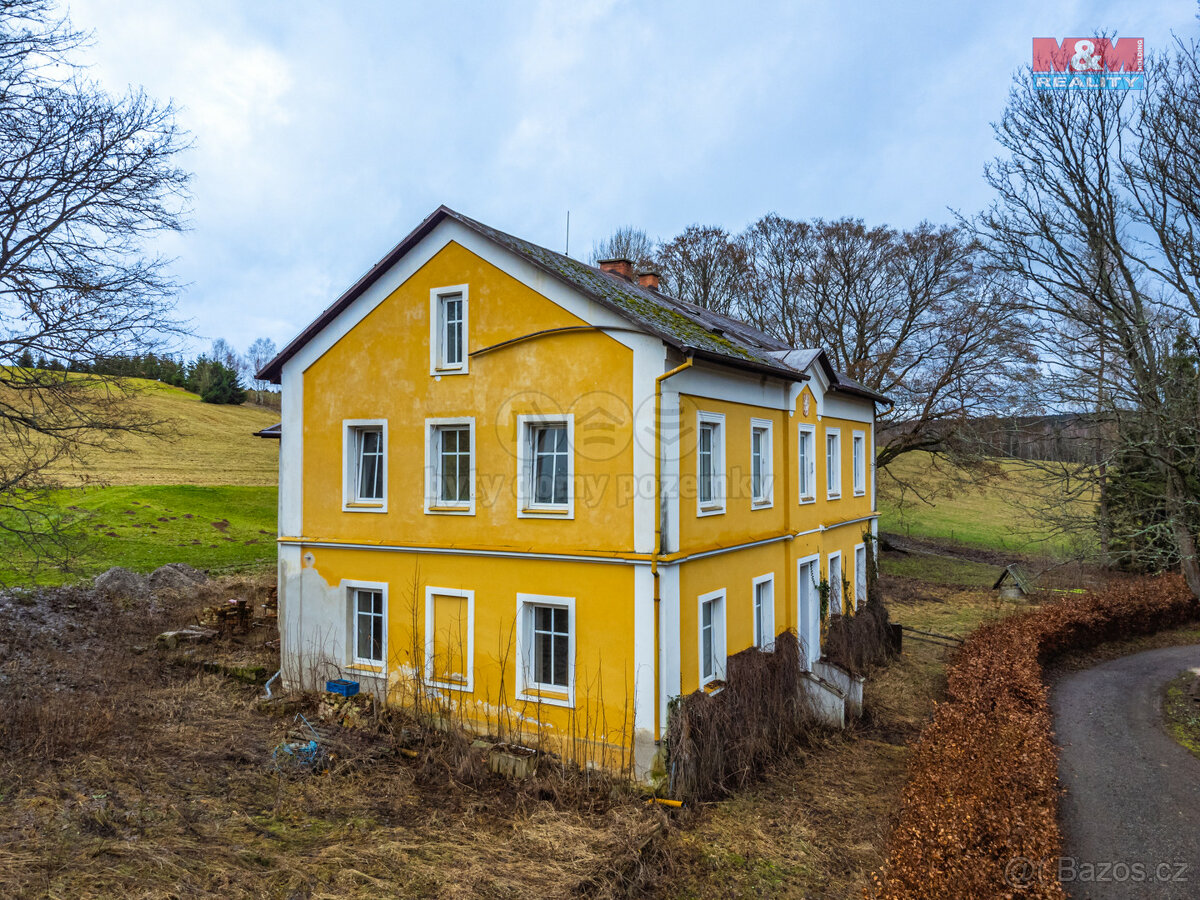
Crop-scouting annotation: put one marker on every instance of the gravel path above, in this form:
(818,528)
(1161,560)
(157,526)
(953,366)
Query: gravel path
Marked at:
(1131,814)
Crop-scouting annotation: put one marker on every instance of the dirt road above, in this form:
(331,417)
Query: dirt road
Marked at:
(1131,815)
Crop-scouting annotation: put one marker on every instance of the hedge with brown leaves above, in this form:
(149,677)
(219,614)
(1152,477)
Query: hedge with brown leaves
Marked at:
(983,781)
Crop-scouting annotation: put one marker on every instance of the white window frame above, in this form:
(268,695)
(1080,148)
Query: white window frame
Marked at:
(350,589)
(860,574)
(766,640)
(720,649)
(437,334)
(715,506)
(350,501)
(833,474)
(813,652)
(526,688)
(767,499)
(858,461)
(526,508)
(434,505)
(468,685)
(836,594)
(810,463)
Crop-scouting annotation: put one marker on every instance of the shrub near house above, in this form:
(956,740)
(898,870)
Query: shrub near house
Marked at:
(552,495)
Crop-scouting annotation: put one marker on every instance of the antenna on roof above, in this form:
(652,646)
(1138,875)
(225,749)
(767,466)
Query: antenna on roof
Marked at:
(567,250)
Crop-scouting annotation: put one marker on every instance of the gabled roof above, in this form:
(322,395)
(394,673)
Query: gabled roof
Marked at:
(682,325)
(803,358)
(688,328)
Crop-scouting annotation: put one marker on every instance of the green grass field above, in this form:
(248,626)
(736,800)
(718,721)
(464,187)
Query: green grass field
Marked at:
(142,527)
(1005,512)
(204,494)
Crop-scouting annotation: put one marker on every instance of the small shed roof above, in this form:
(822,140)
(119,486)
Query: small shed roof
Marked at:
(271,432)
(1019,577)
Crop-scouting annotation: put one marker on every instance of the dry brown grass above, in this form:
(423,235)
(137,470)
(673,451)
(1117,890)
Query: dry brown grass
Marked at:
(178,797)
(814,826)
(202,443)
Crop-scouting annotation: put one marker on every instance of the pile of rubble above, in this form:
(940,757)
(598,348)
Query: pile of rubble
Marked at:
(348,712)
(118,583)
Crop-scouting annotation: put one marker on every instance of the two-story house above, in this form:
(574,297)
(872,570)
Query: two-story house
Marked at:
(548,491)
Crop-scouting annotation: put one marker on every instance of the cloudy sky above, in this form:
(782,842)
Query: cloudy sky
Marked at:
(325,131)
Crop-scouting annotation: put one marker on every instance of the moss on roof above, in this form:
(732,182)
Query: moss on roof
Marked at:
(676,322)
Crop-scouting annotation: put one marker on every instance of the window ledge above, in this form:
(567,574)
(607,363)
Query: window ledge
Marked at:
(450,510)
(714,687)
(463,686)
(860,493)
(762,504)
(547,697)
(358,506)
(365,669)
(546,512)
(804,501)
(710,511)
(833,496)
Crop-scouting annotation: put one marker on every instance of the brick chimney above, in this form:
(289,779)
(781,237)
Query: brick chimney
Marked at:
(648,280)
(622,267)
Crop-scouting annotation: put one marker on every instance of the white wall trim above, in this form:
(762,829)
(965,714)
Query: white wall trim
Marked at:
(670,630)
(813,623)
(715,382)
(433,505)
(644,610)
(811,497)
(348,587)
(860,575)
(349,466)
(768,642)
(526,690)
(716,506)
(768,474)
(435,332)
(720,641)
(855,436)
(526,509)
(836,586)
(468,685)
(833,492)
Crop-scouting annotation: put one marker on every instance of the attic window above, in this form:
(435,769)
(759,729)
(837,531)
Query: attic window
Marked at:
(448,330)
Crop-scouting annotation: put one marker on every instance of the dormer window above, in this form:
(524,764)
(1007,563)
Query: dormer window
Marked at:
(448,333)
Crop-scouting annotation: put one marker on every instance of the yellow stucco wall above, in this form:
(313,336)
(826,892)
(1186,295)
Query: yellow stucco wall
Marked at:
(735,573)
(604,682)
(380,370)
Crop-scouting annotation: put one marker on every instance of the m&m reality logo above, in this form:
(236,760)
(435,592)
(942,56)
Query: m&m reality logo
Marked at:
(1089,64)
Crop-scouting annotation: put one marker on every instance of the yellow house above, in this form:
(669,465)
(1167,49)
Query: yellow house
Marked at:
(548,498)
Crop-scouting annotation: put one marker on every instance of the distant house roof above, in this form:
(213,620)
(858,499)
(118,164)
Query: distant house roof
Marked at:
(274,432)
(688,328)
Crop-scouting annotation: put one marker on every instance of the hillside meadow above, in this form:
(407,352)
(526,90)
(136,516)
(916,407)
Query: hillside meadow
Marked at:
(1005,509)
(202,491)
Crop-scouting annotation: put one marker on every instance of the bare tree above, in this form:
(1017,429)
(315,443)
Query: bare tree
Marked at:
(85,179)
(628,243)
(261,352)
(1094,218)
(705,265)
(222,351)
(905,313)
